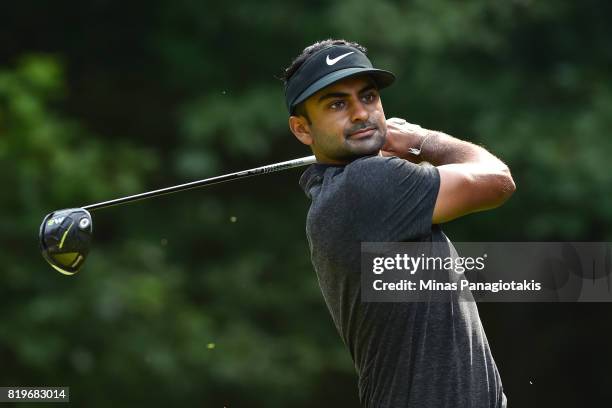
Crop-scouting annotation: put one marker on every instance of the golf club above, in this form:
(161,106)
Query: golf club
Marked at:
(65,235)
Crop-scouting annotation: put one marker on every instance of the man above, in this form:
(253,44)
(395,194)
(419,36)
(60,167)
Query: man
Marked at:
(368,187)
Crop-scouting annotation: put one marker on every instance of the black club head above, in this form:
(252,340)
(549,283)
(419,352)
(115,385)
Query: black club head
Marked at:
(65,238)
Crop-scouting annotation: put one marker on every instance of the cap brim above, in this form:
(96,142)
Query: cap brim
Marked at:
(381,77)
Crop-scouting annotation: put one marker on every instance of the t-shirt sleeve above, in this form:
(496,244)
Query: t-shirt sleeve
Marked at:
(393,199)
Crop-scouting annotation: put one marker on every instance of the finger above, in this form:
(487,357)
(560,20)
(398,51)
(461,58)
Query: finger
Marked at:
(412,129)
(399,121)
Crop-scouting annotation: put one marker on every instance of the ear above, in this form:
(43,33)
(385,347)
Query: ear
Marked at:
(300,128)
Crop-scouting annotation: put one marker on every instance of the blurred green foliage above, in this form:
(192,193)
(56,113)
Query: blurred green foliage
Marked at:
(208,297)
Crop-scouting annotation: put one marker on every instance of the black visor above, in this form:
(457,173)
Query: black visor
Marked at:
(327,66)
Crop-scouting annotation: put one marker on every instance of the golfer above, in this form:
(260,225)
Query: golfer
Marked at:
(367,186)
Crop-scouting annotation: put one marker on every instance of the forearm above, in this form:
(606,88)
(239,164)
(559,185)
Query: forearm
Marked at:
(480,166)
(439,149)
(416,144)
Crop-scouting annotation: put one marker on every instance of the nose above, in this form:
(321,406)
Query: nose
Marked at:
(359,112)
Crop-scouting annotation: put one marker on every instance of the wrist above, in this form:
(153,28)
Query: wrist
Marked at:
(424,136)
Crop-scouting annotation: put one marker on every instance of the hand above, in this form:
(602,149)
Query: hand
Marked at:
(402,136)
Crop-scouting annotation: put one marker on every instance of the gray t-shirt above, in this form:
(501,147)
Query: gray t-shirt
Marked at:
(426,354)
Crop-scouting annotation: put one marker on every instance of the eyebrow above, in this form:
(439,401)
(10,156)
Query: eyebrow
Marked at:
(344,94)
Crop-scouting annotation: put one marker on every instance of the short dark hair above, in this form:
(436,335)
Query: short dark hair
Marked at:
(297,62)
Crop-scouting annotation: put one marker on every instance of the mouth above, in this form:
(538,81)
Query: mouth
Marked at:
(362,133)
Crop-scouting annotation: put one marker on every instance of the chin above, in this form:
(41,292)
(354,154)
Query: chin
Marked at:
(367,146)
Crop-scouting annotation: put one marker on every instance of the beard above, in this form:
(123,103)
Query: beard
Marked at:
(365,139)
(359,140)
(370,144)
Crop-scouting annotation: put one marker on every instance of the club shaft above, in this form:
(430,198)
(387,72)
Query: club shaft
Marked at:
(304,161)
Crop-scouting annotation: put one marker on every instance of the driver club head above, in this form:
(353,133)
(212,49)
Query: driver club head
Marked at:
(65,238)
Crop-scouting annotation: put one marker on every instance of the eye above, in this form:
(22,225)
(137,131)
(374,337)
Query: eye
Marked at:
(369,97)
(337,105)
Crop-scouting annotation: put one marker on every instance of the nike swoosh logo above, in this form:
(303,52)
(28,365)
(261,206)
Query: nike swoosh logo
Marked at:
(332,61)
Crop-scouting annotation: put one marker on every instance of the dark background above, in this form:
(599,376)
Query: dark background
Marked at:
(208,298)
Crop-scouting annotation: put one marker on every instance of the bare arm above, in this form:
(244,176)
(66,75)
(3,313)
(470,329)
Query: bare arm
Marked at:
(471,178)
